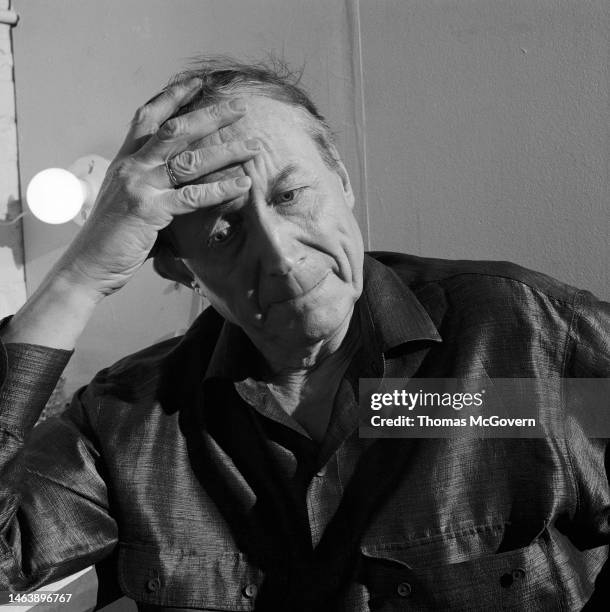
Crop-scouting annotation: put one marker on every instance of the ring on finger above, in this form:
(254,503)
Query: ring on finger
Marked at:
(170,173)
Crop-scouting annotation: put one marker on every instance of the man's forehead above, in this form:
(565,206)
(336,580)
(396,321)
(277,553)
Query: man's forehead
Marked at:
(267,119)
(281,129)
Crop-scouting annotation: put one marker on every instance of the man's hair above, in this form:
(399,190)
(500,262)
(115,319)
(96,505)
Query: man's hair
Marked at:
(223,77)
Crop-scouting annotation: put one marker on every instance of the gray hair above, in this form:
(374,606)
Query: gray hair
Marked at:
(223,77)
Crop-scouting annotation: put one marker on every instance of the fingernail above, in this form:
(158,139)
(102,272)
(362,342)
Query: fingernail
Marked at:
(238,106)
(253,144)
(242,182)
(194,83)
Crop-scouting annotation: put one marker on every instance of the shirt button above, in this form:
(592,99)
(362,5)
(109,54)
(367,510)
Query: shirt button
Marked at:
(154,584)
(518,573)
(506,580)
(250,591)
(404,589)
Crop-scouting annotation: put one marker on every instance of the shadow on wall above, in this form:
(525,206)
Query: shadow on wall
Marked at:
(8,235)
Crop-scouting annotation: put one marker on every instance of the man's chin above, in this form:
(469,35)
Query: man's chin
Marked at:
(303,324)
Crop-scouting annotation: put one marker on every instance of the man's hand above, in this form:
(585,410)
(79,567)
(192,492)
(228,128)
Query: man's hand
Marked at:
(138,199)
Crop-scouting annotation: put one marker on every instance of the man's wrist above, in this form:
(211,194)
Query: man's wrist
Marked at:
(73,287)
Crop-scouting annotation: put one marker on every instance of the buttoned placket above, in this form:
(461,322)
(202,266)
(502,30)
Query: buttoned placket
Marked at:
(323,497)
(337,458)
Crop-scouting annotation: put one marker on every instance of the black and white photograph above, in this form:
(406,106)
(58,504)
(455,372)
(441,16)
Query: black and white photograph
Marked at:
(304,305)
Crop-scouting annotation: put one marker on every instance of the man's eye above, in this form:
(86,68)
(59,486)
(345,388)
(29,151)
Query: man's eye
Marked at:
(286,197)
(221,235)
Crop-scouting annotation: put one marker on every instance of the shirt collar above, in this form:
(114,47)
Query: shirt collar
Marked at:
(392,310)
(389,312)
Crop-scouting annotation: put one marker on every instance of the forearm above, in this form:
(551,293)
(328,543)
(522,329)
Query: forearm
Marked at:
(28,454)
(28,375)
(54,517)
(54,316)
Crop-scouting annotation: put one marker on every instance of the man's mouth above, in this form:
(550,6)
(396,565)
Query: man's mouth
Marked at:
(291,296)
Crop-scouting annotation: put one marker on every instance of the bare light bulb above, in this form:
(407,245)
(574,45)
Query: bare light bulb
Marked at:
(57,196)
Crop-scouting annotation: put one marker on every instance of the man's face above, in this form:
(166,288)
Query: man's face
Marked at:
(284,262)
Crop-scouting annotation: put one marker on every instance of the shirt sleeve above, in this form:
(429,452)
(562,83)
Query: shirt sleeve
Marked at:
(589,357)
(54,514)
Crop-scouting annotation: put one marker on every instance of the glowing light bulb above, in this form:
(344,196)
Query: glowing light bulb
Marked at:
(55,195)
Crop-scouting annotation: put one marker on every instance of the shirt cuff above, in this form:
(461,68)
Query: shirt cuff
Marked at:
(28,376)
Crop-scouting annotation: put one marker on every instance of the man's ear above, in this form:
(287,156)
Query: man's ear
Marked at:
(343,176)
(347,185)
(172,268)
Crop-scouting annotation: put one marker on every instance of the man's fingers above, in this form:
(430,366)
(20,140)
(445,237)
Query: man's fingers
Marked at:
(175,134)
(194,197)
(191,165)
(158,109)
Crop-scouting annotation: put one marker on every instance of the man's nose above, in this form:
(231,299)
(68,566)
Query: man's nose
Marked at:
(278,249)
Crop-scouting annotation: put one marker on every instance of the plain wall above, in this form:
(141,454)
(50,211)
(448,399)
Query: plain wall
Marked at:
(472,129)
(487,132)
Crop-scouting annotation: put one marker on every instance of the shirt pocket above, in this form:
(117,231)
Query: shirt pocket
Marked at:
(524,579)
(213,580)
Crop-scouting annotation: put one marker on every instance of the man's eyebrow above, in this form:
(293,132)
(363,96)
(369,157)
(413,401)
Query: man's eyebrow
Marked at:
(272,185)
(285,173)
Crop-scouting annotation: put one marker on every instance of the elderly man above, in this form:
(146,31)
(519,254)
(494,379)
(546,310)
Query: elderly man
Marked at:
(223,470)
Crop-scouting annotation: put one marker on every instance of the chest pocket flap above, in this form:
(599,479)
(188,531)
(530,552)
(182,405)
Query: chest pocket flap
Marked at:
(218,580)
(541,576)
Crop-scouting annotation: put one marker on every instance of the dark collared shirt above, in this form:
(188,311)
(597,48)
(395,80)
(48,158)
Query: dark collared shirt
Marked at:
(203,501)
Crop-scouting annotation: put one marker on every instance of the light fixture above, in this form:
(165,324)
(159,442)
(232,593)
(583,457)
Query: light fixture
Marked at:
(57,196)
